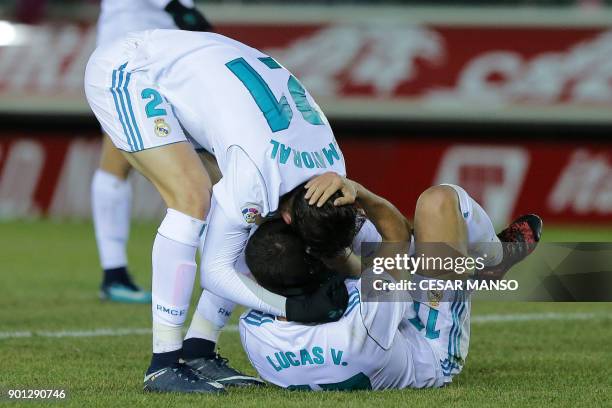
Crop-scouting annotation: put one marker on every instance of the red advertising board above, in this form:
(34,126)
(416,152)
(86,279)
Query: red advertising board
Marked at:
(564,183)
(382,69)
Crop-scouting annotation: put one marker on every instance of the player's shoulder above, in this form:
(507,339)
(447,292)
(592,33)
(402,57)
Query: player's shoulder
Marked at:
(242,192)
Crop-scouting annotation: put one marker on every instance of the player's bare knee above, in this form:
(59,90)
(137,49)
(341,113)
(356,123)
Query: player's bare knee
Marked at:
(436,201)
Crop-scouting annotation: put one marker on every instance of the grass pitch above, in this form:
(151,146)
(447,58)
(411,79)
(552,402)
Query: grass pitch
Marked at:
(559,355)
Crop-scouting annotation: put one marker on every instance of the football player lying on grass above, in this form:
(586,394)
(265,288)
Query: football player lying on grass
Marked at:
(374,345)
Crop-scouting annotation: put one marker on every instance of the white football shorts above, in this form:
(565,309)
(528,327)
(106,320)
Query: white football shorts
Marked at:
(128,103)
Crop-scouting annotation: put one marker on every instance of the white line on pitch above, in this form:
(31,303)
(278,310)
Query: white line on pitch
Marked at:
(87,333)
(481,319)
(522,317)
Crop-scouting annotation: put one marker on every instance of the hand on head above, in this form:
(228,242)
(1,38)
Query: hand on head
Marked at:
(322,187)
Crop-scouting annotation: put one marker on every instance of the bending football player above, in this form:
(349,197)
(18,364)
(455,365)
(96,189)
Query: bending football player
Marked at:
(375,345)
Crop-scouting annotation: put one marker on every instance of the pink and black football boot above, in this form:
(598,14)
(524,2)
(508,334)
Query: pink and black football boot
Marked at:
(519,239)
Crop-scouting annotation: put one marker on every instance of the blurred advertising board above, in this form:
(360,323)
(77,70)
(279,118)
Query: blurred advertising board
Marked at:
(564,183)
(381,63)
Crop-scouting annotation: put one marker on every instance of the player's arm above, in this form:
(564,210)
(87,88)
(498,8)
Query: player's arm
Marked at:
(224,241)
(395,229)
(388,220)
(380,318)
(226,237)
(184,14)
(223,244)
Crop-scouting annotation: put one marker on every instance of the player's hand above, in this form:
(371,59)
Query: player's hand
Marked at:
(325,305)
(322,187)
(186,18)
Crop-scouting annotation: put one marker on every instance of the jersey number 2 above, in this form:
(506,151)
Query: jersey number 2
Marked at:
(151,107)
(277,112)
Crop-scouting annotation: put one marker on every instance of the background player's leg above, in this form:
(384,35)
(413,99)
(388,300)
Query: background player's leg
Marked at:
(183,183)
(111,199)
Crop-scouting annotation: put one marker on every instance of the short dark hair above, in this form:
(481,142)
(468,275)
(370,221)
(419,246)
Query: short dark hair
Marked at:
(277,258)
(327,230)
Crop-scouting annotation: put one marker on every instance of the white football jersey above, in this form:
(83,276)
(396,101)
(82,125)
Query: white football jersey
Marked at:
(373,346)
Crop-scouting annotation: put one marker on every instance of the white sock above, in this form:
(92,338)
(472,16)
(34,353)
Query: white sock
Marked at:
(111,201)
(210,317)
(174,270)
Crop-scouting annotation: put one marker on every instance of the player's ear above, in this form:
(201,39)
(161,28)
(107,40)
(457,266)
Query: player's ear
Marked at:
(286,215)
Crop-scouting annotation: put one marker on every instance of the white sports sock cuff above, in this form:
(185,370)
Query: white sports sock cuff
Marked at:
(166,337)
(202,328)
(181,228)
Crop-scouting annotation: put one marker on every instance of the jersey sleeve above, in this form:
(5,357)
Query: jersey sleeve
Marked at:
(226,237)
(382,318)
(242,191)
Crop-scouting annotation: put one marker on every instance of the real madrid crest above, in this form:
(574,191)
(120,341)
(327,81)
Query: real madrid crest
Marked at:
(434,297)
(162,129)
